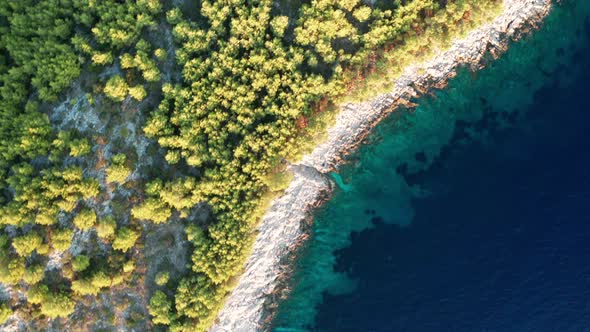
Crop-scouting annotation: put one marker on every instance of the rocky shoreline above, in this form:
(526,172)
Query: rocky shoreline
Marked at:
(285,225)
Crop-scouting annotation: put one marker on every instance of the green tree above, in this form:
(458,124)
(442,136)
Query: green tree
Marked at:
(61,239)
(25,245)
(162,278)
(80,263)
(137,92)
(160,308)
(152,209)
(118,171)
(125,239)
(129,266)
(34,274)
(279,24)
(116,88)
(362,14)
(127,61)
(57,305)
(85,219)
(106,228)
(5,313)
(102,59)
(160,54)
(12,270)
(80,148)
(52,305)
(93,284)
(84,287)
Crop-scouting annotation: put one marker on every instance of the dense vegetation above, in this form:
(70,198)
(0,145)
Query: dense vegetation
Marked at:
(253,73)
(250,75)
(47,195)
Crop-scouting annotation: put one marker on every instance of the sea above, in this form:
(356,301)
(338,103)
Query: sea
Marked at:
(469,212)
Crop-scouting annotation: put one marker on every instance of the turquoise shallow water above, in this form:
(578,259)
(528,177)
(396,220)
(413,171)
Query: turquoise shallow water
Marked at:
(468,213)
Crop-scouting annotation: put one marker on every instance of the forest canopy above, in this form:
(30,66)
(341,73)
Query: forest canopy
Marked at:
(222,90)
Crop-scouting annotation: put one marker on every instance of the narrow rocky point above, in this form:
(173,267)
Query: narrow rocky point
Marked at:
(286,223)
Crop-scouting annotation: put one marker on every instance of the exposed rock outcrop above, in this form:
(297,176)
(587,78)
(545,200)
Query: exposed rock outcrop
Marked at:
(284,225)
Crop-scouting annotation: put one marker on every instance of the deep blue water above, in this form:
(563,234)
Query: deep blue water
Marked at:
(478,220)
(505,247)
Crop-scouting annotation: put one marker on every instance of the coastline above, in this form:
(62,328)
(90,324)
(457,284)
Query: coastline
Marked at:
(285,226)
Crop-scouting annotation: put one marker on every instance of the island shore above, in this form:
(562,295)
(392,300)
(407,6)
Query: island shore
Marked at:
(286,224)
